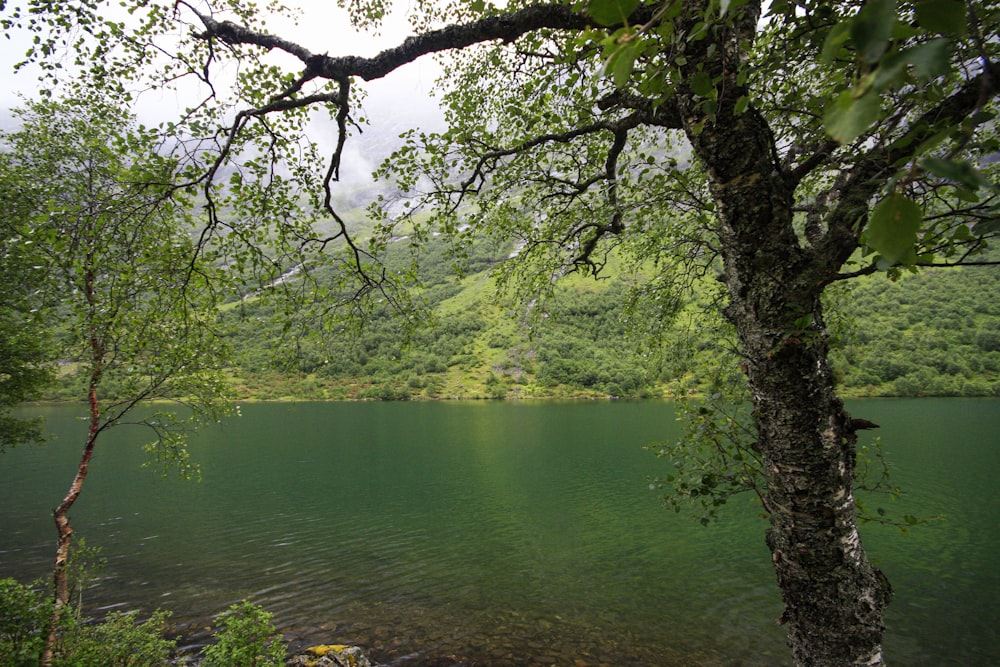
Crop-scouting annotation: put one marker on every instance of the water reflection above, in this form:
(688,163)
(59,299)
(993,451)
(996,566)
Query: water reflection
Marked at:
(495,533)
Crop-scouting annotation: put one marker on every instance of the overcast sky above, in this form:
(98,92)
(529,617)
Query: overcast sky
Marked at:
(397,102)
(400,101)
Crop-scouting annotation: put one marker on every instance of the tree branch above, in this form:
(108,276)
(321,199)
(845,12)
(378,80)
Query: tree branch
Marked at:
(615,226)
(506,27)
(847,221)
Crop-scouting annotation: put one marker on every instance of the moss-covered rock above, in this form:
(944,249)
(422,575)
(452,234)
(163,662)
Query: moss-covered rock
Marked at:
(331,655)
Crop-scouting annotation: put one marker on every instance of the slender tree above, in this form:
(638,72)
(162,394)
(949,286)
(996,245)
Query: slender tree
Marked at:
(792,150)
(98,202)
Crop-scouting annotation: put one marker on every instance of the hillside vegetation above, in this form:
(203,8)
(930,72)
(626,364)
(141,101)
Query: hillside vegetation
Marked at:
(934,333)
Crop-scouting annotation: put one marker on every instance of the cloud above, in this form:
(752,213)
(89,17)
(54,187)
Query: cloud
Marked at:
(322,27)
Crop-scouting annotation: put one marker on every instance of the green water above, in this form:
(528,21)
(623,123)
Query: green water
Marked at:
(499,533)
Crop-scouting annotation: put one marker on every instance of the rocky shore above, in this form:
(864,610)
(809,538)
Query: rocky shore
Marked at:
(331,655)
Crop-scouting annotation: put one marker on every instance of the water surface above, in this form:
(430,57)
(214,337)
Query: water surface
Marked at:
(499,533)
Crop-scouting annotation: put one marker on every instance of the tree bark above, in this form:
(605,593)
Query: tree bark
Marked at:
(60,582)
(834,598)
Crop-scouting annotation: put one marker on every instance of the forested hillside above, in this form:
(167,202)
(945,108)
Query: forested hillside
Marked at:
(465,344)
(934,333)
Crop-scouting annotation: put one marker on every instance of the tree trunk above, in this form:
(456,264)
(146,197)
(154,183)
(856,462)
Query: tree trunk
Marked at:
(834,598)
(60,583)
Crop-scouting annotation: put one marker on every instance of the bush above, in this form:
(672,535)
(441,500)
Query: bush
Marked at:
(247,639)
(988,341)
(435,365)
(118,641)
(24,620)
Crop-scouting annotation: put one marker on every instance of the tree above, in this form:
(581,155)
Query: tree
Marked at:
(792,151)
(25,362)
(97,201)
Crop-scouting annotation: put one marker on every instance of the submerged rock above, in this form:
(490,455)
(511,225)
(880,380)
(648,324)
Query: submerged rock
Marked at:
(331,655)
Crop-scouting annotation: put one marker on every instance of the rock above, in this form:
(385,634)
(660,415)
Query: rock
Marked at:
(331,655)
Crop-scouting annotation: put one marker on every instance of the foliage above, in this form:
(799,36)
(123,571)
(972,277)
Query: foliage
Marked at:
(25,354)
(246,638)
(940,193)
(26,613)
(24,622)
(89,193)
(118,640)
(929,334)
(88,189)
(710,463)
(82,567)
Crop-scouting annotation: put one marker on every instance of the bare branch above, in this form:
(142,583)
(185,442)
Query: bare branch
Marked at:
(506,27)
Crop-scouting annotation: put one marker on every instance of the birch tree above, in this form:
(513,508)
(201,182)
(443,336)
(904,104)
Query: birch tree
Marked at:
(91,193)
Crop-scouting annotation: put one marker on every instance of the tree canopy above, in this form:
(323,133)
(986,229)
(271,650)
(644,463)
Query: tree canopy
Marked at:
(25,355)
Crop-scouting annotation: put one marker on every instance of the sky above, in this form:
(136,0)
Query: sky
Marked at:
(322,28)
(393,104)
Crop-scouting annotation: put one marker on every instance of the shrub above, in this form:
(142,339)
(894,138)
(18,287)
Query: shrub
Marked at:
(118,641)
(24,620)
(988,341)
(247,638)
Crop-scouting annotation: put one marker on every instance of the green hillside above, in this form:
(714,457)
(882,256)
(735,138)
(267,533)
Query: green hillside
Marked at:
(932,333)
(935,333)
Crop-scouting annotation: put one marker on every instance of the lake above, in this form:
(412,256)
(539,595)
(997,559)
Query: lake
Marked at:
(499,533)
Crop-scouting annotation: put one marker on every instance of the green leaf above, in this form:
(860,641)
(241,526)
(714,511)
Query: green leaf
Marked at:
(933,142)
(621,63)
(957,171)
(847,117)
(611,12)
(930,60)
(702,85)
(892,227)
(966,195)
(890,70)
(835,40)
(871,29)
(988,226)
(946,17)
